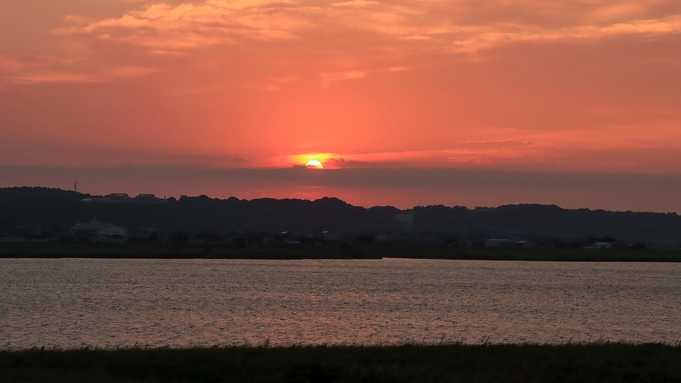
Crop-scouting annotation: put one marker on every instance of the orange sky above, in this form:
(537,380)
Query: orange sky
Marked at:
(517,87)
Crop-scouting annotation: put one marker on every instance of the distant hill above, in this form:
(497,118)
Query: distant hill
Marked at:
(54,207)
(52,210)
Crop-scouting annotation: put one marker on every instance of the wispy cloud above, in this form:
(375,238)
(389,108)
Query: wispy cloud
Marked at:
(354,3)
(328,78)
(505,154)
(352,38)
(469,153)
(162,26)
(502,35)
(33,69)
(462,26)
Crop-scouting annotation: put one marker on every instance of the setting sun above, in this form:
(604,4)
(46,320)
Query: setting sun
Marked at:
(314,164)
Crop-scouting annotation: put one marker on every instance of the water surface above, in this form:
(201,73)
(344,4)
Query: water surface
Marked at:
(118,302)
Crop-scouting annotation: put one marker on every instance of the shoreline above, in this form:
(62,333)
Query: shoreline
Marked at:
(331,252)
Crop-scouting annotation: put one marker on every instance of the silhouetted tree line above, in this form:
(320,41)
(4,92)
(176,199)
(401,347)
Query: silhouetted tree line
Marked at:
(25,210)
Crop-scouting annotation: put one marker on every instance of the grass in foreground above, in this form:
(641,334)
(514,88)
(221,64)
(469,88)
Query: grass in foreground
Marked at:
(600,362)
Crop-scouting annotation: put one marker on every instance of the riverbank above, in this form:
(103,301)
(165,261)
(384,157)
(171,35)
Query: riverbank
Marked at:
(221,251)
(597,362)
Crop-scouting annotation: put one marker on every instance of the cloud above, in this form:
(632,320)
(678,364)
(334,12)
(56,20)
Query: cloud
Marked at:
(27,69)
(106,155)
(470,153)
(461,26)
(354,3)
(186,26)
(34,69)
(349,40)
(328,78)
(518,34)
(514,155)
(499,152)
(278,84)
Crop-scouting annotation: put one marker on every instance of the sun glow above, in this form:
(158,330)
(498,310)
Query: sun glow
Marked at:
(314,164)
(311,159)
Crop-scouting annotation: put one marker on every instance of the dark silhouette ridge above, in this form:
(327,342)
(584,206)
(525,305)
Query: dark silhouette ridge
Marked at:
(53,211)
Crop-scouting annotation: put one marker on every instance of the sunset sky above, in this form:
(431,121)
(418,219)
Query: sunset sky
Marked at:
(456,102)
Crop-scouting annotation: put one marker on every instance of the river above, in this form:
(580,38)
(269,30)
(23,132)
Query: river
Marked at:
(178,303)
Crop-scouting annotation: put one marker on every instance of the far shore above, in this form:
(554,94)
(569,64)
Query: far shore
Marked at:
(287,252)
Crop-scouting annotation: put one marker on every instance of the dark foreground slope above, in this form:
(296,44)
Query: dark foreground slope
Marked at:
(409,363)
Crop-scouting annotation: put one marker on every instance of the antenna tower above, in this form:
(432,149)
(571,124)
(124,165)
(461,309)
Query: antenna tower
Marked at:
(75,186)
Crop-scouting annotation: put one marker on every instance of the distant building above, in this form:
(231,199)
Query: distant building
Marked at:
(113,230)
(12,239)
(406,219)
(599,245)
(99,228)
(148,198)
(143,233)
(523,244)
(498,243)
(119,195)
(98,239)
(125,198)
(461,243)
(68,237)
